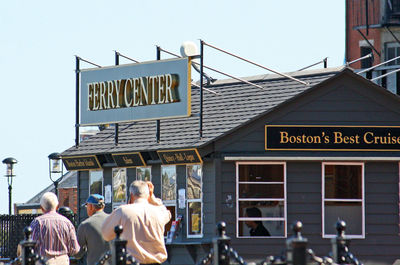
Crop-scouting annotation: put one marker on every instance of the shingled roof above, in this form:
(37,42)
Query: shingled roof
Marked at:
(235,105)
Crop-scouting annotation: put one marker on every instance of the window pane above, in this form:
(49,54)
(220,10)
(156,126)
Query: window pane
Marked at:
(119,185)
(173,217)
(261,173)
(390,55)
(350,212)
(266,208)
(143,173)
(261,191)
(343,182)
(271,228)
(168,178)
(96,182)
(194,218)
(193,181)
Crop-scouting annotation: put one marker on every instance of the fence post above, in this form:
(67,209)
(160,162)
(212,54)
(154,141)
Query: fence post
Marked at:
(340,243)
(28,248)
(296,246)
(221,245)
(118,249)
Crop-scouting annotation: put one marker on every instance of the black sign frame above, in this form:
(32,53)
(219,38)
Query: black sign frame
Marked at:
(120,159)
(180,157)
(331,138)
(81,159)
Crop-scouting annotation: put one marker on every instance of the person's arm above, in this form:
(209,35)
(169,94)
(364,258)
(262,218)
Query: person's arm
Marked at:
(35,232)
(82,242)
(107,229)
(73,247)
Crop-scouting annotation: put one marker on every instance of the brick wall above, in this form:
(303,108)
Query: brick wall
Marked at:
(353,37)
(68,197)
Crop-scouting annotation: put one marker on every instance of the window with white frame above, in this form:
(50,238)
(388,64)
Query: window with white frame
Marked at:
(96,182)
(143,173)
(392,50)
(343,198)
(260,199)
(194,200)
(168,192)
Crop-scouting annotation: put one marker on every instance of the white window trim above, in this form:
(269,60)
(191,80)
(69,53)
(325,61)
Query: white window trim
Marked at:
(362,236)
(284,199)
(102,181)
(195,200)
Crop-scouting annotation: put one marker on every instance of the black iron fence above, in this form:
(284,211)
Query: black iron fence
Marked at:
(11,227)
(295,253)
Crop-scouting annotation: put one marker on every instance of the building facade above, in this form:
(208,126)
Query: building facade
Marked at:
(287,152)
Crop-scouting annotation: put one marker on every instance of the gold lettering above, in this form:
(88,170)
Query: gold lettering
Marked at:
(367,138)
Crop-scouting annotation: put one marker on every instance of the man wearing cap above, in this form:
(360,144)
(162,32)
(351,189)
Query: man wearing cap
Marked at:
(89,231)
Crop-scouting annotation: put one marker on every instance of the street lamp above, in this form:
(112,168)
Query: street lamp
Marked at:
(55,167)
(9,175)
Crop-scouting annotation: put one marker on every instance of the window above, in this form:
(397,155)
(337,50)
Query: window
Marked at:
(194,198)
(366,63)
(96,182)
(392,51)
(260,199)
(119,179)
(143,173)
(168,192)
(343,198)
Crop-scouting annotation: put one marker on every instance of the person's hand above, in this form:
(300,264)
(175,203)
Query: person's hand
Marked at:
(151,188)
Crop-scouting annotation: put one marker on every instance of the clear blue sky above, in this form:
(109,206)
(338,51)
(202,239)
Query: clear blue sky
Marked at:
(38,41)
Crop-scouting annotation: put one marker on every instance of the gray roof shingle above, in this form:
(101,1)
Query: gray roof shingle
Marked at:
(236,104)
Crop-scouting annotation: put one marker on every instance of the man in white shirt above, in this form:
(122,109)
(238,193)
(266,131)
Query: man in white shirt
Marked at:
(143,221)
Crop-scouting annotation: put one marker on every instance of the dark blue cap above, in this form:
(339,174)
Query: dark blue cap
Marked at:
(94,199)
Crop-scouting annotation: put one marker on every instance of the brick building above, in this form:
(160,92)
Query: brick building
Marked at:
(67,196)
(373,26)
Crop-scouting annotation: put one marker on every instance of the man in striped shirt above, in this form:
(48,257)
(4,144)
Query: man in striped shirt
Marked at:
(54,234)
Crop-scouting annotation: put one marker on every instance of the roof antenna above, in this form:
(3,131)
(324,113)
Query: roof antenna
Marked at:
(189,49)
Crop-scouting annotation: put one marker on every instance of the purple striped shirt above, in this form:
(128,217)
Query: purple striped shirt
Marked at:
(55,235)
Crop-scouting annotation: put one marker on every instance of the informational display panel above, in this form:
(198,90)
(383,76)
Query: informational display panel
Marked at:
(133,92)
(81,163)
(332,138)
(129,160)
(180,157)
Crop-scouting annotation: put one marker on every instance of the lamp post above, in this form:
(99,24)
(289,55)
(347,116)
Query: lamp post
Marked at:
(55,167)
(9,175)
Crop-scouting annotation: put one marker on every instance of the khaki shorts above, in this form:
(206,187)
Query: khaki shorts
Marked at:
(57,260)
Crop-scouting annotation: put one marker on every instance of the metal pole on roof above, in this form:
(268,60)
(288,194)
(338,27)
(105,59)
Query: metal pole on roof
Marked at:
(158,125)
(116,126)
(370,55)
(382,76)
(372,67)
(201,88)
(325,61)
(77,75)
(217,71)
(256,64)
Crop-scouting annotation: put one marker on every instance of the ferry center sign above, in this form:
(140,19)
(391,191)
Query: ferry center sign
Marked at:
(332,138)
(133,92)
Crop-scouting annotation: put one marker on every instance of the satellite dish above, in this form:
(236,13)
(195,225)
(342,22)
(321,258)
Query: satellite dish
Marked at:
(189,48)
